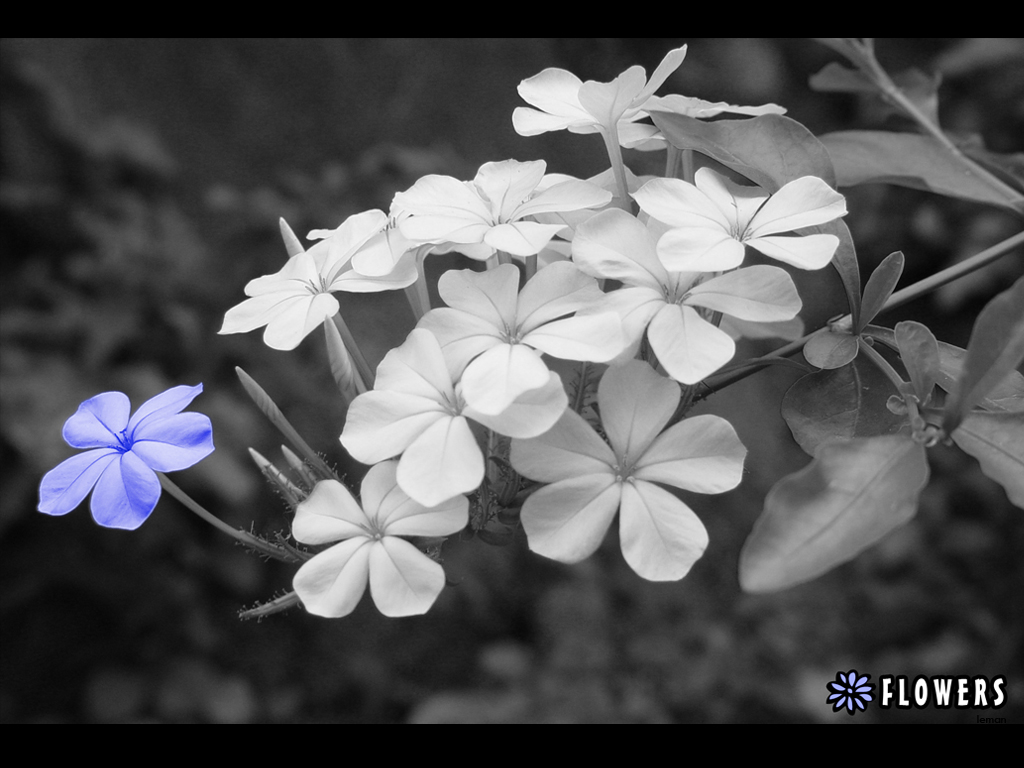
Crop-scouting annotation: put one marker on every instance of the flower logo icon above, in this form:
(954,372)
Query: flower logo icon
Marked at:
(849,690)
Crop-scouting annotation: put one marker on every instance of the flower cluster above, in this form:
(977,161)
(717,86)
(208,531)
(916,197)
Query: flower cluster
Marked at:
(491,401)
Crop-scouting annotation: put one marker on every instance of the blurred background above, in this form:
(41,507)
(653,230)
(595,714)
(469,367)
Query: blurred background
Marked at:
(141,182)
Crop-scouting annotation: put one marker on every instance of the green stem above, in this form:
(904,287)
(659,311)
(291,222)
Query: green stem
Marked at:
(869,65)
(530,267)
(909,293)
(242,537)
(611,143)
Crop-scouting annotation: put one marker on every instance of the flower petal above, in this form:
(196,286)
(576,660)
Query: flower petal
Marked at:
(555,291)
(462,336)
(805,252)
(403,580)
(442,463)
(568,450)
(737,202)
(65,486)
(531,414)
(508,183)
(381,424)
(490,295)
(98,421)
(661,537)
(297,318)
(329,513)
(803,202)
(332,583)
(352,235)
(568,195)
(496,378)
(167,403)
(125,494)
(636,404)
(175,442)
(701,454)
(681,204)
(442,208)
(554,92)
(699,249)
(608,102)
(669,64)
(522,238)
(760,293)
(593,337)
(398,515)
(567,521)
(687,345)
(612,244)
(417,367)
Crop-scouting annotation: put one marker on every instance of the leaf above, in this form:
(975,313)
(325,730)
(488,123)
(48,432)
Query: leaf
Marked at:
(912,160)
(770,150)
(996,440)
(835,78)
(880,287)
(996,348)
(830,350)
(1007,395)
(851,495)
(844,403)
(920,354)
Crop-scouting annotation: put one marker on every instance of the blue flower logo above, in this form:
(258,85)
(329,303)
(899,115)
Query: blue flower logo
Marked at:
(849,690)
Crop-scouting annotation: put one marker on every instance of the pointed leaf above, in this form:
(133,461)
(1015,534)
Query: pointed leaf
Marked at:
(880,287)
(770,150)
(920,353)
(848,498)
(845,262)
(1007,395)
(916,161)
(995,349)
(996,440)
(847,402)
(830,350)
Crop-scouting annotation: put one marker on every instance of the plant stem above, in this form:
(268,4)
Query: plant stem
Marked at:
(611,143)
(242,537)
(909,293)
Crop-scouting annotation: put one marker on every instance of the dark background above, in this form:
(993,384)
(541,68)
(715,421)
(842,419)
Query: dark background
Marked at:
(140,186)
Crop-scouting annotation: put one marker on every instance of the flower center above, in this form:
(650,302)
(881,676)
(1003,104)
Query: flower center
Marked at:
(315,289)
(124,443)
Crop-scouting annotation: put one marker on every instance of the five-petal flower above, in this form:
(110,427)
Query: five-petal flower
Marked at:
(495,211)
(125,455)
(590,481)
(615,245)
(496,333)
(713,219)
(563,101)
(403,581)
(417,409)
(297,299)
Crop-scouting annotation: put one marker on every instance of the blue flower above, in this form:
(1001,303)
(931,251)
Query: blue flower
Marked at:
(120,469)
(849,691)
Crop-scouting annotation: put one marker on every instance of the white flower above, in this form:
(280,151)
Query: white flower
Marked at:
(615,245)
(563,101)
(415,409)
(661,537)
(712,220)
(403,581)
(495,211)
(497,333)
(297,299)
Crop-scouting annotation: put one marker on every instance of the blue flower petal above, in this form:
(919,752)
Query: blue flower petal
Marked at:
(125,493)
(165,404)
(98,421)
(173,442)
(65,486)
